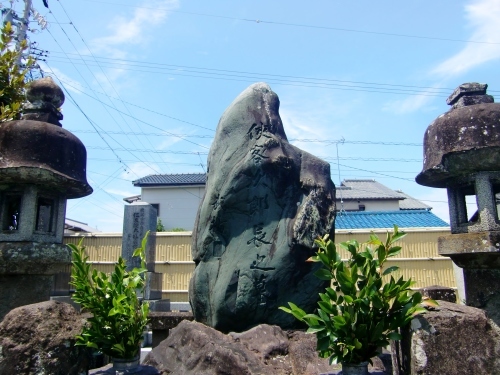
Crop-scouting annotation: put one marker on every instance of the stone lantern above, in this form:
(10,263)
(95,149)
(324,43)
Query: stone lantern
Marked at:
(462,154)
(41,166)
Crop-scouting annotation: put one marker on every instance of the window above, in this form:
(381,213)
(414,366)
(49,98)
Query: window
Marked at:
(361,207)
(157,206)
(12,212)
(44,214)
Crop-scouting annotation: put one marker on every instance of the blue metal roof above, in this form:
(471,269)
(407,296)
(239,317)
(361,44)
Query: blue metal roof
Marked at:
(172,179)
(387,219)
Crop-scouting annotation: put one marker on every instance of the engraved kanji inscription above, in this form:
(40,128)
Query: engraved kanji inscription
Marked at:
(259,236)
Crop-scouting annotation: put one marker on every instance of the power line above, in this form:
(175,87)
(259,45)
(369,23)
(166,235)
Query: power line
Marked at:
(285,82)
(144,63)
(105,75)
(259,21)
(135,105)
(145,150)
(375,159)
(327,141)
(81,75)
(136,119)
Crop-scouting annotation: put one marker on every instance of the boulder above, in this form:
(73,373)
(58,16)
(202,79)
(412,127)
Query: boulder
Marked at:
(453,339)
(40,339)
(265,202)
(194,348)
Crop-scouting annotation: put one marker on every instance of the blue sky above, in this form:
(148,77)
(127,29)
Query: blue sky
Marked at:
(149,80)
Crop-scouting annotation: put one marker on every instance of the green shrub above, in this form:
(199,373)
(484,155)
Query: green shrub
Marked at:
(159,226)
(361,313)
(118,317)
(12,77)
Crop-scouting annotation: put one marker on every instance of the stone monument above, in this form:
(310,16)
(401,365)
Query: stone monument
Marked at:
(41,166)
(265,203)
(139,217)
(462,154)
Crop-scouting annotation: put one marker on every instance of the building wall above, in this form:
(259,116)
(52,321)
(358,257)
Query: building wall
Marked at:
(370,205)
(178,205)
(419,258)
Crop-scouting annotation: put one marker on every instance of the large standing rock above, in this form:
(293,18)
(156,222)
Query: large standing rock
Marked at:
(265,203)
(40,339)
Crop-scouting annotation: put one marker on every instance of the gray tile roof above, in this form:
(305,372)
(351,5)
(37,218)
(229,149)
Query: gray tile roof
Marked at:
(411,203)
(78,226)
(172,179)
(366,189)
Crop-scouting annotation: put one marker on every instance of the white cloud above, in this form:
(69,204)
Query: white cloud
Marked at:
(484,17)
(412,103)
(132,30)
(307,115)
(121,193)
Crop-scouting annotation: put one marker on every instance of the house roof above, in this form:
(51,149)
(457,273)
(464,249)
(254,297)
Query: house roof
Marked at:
(411,203)
(172,179)
(387,219)
(133,198)
(366,189)
(77,226)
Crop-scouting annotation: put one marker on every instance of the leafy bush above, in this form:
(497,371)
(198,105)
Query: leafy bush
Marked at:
(159,226)
(119,318)
(361,313)
(12,77)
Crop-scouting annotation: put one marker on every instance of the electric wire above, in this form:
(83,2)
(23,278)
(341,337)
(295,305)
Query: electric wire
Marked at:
(259,21)
(274,81)
(441,90)
(138,106)
(81,75)
(105,75)
(139,120)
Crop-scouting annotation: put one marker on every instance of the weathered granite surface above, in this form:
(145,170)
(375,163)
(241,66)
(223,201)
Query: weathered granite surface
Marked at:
(195,349)
(453,339)
(265,203)
(162,322)
(40,339)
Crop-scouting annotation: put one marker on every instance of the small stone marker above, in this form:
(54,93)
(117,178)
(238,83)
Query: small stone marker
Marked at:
(140,217)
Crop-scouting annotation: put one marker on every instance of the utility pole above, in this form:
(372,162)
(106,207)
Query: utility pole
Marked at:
(23,27)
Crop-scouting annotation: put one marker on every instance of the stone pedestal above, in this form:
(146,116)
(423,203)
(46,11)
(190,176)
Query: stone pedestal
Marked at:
(20,290)
(27,272)
(478,254)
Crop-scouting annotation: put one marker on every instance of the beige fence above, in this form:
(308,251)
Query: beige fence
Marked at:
(419,258)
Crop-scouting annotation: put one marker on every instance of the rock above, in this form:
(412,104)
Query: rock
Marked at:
(265,203)
(454,339)
(194,348)
(442,293)
(162,322)
(109,370)
(40,339)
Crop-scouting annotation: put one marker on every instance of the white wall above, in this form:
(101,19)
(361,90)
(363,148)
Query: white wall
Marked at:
(370,205)
(178,205)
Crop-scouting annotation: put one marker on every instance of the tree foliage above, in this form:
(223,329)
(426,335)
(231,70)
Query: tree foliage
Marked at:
(13,77)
